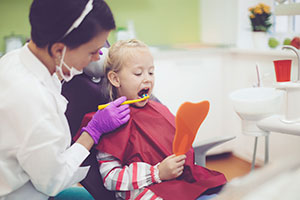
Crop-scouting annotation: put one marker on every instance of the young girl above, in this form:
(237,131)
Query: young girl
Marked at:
(136,160)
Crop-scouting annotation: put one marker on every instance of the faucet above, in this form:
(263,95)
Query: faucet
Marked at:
(297,53)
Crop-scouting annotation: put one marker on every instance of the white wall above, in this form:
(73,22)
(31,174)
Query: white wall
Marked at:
(218,21)
(226,22)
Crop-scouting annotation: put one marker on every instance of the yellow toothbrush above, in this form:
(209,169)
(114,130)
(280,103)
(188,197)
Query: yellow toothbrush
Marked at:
(145,96)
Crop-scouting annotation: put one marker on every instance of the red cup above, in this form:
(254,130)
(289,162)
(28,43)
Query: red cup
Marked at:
(283,70)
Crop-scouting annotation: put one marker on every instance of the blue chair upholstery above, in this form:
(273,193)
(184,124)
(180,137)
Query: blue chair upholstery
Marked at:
(74,193)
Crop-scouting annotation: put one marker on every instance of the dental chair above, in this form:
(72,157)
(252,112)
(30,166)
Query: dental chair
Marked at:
(84,93)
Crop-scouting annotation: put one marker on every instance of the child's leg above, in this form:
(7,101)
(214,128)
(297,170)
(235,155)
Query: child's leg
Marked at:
(206,197)
(210,193)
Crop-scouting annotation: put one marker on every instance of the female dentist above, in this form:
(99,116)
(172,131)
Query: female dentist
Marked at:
(36,159)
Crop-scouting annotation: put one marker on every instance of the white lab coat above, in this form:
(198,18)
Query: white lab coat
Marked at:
(36,160)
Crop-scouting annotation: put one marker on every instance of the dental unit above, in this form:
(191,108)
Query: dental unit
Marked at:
(290,122)
(259,108)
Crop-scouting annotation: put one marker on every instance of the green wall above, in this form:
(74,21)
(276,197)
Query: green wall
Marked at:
(157,22)
(14,19)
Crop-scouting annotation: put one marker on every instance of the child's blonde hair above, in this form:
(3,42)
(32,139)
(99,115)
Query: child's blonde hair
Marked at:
(117,54)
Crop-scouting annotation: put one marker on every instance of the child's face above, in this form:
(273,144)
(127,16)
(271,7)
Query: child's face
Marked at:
(136,76)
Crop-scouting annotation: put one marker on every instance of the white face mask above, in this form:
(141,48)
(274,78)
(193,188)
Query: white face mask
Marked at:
(72,70)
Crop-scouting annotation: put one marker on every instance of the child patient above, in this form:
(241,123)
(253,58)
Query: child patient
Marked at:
(136,160)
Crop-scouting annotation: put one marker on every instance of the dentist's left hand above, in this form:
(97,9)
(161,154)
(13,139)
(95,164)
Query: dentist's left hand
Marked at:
(108,119)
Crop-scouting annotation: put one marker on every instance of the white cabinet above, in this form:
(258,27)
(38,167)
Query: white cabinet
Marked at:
(192,76)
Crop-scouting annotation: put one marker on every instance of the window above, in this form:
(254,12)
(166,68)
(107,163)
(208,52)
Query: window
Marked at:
(297,23)
(287,16)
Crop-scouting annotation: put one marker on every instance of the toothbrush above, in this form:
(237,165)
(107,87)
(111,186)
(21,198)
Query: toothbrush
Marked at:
(259,83)
(144,97)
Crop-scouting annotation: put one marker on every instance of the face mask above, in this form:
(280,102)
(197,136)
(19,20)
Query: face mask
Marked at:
(72,71)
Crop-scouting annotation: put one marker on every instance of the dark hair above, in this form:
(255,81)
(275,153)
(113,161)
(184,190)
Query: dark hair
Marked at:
(50,20)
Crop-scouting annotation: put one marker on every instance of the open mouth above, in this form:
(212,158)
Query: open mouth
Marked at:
(143,92)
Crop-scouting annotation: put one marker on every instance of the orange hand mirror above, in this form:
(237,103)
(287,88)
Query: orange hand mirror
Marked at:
(188,119)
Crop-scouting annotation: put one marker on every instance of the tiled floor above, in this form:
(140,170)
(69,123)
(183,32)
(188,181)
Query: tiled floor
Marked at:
(230,165)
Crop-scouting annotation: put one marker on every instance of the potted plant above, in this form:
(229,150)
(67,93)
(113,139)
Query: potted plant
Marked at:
(260,17)
(260,23)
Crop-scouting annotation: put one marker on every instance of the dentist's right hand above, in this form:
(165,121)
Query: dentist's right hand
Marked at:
(108,119)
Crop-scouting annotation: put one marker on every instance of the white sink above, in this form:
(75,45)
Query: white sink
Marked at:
(254,104)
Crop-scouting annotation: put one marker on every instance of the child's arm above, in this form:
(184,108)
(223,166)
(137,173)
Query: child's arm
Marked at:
(135,176)
(138,174)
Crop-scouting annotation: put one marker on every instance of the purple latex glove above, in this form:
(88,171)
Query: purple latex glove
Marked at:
(108,119)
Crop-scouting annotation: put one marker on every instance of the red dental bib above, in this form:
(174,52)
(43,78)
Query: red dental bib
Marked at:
(148,137)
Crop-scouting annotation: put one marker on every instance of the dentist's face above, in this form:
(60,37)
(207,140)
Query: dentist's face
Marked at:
(136,76)
(81,56)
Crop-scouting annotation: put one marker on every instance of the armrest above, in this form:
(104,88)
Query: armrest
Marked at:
(200,150)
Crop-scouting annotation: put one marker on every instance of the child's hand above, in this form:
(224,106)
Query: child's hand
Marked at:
(171,167)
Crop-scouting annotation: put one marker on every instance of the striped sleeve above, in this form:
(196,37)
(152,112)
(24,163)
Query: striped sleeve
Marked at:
(125,178)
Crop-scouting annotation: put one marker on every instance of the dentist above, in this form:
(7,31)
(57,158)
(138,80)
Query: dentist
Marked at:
(36,159)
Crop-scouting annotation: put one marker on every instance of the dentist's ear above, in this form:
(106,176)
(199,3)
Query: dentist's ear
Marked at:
(57,49)
(113,78)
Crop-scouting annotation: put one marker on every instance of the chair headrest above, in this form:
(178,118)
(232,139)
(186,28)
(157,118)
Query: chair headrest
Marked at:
(95,70)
